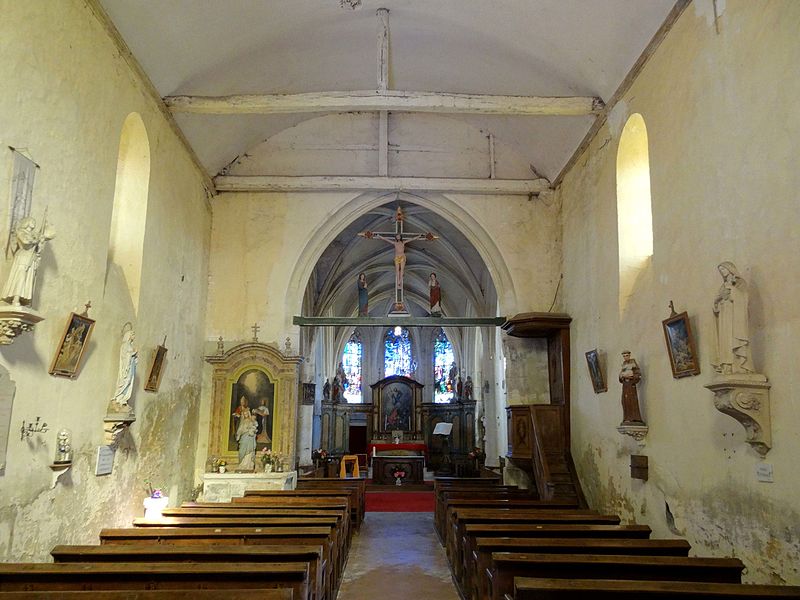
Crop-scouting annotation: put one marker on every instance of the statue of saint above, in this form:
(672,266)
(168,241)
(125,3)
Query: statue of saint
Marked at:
(326,390)
(341,375)
(452,375)
(336,391)
(246,436)
(435,296)
(629,376)
(468,393)
(128,357)
(363,296)
(460,389)
(27,245)
(733,323)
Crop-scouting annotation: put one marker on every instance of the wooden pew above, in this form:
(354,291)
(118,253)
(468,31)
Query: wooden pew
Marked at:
(247,536)
(308,553)
(507,565)
(153,576)
(490,501)
(459,518)
(359,485)
(526,588)
(479,559)
(349,495)
(271,594)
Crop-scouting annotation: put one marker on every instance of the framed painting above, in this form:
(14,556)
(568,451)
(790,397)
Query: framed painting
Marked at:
(156,370)
(252,398)
(70,350)
(680,346)
(596,372)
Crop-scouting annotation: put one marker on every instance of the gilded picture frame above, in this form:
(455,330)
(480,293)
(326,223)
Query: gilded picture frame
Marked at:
(154,374)
(681,346)
(72,346)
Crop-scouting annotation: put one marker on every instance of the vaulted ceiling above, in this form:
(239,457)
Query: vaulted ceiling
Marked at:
(510,47)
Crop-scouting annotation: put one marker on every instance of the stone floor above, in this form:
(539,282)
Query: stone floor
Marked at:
(397,556)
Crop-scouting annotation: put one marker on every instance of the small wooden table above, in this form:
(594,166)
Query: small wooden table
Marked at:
(384,466)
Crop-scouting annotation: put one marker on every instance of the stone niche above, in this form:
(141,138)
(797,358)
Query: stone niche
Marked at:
(257,371)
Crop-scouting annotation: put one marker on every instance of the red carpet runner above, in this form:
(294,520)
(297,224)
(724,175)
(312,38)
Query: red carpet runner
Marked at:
(399,502)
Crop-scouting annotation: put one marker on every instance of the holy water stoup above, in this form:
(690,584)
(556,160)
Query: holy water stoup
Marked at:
(398,239)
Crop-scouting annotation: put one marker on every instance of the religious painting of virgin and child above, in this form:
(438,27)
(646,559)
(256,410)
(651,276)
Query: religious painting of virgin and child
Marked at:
(251,408)
(397,407)
(72,346)
(680,346)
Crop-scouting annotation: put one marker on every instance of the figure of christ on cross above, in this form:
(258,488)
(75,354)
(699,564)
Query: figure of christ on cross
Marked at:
(398,239)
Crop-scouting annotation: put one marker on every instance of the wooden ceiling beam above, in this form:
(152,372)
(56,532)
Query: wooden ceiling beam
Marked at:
(326,183)
(386,100)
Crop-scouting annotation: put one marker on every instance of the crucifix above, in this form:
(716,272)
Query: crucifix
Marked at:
(255,329)
(398,239)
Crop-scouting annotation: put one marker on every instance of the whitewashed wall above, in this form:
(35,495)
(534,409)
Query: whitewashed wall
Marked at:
(65,95)
(723,125)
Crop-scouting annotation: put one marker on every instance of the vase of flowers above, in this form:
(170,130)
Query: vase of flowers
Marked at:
(267,459)
(478,457)
(222,466)
(399,474)
(319,456)
(155,502)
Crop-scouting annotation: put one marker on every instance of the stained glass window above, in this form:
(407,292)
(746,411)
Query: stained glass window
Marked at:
(397,354)
(351,362)
(443,359)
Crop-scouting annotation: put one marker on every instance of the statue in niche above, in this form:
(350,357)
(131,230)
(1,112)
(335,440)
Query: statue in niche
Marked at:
(246,430)
(435,296)
(326,390)
(363,295)
(128,358)
(732,323)
(27,245)
(629,376)
(468,393)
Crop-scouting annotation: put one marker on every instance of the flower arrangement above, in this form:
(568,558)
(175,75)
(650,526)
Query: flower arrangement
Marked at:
(476,454)
(153,492)
(271,460)
(218,465)
(398,473)
(320,454)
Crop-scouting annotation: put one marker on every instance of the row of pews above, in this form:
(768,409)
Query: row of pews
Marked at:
(502,544)
(281,545)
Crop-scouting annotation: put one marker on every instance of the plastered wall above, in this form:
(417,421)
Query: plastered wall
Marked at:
(723,124)
(66,93)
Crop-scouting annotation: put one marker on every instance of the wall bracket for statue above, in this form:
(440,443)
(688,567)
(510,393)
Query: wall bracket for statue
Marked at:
(636,431)
(745,397)
(16,320)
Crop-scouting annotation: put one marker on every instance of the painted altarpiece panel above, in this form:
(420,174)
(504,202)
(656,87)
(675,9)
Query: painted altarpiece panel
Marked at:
(265,380)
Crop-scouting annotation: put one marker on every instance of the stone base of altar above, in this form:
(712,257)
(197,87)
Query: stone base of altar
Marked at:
(221,487)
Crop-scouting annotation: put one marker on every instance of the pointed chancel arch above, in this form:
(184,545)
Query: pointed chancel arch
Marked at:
(634,206)
(129,215)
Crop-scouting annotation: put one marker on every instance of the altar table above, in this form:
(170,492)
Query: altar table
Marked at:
(383,467)
(383,447)
(221,487)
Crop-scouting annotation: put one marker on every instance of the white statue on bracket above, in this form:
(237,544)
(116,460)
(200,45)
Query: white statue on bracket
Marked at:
(27,243)
(120,413)
(739,391)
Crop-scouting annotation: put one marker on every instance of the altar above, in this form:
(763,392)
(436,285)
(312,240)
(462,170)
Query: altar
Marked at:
(221,487)
(384,467)
(387,449)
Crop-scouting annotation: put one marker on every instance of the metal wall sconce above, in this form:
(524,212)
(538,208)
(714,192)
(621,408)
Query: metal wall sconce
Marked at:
(28,430)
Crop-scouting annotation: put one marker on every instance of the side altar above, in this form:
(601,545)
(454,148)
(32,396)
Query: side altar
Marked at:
(254,410)
(221,487)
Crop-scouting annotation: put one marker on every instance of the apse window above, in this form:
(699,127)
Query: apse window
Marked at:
(397,358)
(634,207)
(129,215)
(443,359)
(351,363)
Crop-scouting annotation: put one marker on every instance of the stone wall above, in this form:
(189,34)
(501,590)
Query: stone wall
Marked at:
(723,125)
(66,93)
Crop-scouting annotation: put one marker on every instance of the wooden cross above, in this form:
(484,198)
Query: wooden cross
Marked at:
(255,329)
(398,239)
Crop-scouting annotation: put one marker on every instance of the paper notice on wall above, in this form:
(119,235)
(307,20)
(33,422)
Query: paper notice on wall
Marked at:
(105,460)
(7,389)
